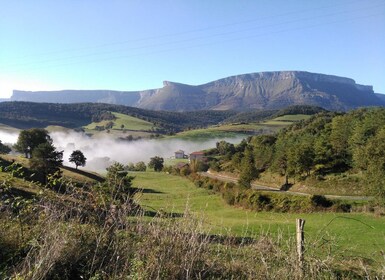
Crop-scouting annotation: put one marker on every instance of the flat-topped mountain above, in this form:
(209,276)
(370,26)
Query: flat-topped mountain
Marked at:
(265,90)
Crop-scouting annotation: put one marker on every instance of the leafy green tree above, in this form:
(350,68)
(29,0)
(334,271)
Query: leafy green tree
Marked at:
(263,149)
(46,160)
(78,158)
(130,167)
(363,133)
(140,166)
(283,160)
(236,161)
(224,148)
(301,155)
(29,139)
(375,173)
(341,131)
(248,171)
(4,149)
(118,180)
(323,153)
(156,163)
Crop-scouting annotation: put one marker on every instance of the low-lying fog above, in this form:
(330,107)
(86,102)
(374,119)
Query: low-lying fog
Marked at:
(102,152)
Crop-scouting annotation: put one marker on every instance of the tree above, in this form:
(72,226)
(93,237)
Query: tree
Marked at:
(78,158)
(119,181)
(248,170)
(46,160)
(156,163)
(140,166)
(263,149)
(375,173)
(225,148)
(4,149)
(29,139)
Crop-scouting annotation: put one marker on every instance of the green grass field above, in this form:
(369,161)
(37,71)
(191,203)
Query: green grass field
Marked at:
(240,129)
(124,125)
(352,234)
(292,118)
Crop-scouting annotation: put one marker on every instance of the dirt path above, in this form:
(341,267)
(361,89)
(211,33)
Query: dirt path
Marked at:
(260,187)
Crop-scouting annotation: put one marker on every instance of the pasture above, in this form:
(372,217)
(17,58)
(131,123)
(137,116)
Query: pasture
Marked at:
(342,234)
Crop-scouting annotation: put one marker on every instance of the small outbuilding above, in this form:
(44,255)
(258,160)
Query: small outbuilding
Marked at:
(179,154)
(197,156)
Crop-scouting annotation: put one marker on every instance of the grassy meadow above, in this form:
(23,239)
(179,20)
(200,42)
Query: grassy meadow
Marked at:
(353,234)
(124,125)
(241,129)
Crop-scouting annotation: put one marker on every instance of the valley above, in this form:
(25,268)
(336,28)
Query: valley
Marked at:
(230,196)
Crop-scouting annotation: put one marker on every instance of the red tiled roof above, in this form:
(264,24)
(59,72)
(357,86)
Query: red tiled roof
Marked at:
(197,153)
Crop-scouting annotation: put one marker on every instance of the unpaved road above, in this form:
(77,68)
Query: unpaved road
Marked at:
(259,187)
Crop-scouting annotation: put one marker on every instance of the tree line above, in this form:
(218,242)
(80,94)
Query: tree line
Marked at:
(324,144)
(39,115)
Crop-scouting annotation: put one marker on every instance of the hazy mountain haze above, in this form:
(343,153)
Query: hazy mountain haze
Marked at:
(264,90)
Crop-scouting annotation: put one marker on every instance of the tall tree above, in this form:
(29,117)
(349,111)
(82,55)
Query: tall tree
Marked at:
(78,158)
(248,170)
(46,160)
(375,173)
(29,139)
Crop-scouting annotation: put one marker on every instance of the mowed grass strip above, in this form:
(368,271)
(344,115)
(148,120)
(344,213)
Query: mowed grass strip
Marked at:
(342,234)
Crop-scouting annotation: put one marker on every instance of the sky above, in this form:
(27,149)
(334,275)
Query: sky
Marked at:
(137,44)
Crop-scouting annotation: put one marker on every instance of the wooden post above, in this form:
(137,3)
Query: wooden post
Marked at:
(300,224)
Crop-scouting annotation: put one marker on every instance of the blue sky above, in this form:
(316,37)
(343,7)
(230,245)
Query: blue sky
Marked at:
(135,45)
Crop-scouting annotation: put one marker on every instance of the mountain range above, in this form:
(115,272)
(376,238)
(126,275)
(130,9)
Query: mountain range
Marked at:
(255,91)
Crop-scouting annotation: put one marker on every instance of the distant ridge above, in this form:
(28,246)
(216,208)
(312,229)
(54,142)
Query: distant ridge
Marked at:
(265,90)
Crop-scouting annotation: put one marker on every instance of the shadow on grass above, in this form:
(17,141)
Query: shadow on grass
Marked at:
(162,214)
(285,187)
(140,190)
(85,173)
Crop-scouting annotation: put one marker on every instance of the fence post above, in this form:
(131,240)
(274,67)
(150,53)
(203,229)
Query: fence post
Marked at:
(300,224)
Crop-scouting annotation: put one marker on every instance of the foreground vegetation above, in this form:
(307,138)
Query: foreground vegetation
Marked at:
(178,232)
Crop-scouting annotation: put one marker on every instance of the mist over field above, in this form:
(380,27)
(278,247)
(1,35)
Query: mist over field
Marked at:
(7,137)
(102,152)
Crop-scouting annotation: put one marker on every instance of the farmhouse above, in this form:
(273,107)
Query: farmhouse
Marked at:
(197,156)
(179,154)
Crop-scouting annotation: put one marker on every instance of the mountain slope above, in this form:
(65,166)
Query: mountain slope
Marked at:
(29,114)
(266,90)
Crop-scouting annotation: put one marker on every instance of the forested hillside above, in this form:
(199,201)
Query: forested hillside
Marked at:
(328,143)
(29,114)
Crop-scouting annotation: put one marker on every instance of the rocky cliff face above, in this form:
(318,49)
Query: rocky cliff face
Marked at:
(266,90)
